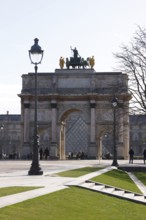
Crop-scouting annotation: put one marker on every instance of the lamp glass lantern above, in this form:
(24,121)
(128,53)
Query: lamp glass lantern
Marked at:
(115,102)
(36,53)
(2,127)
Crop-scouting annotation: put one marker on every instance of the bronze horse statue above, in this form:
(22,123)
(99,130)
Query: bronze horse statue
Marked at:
(76,61)
(80,62)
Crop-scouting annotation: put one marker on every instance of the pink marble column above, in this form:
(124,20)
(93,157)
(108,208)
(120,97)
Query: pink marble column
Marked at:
(53,146)
(62,141)
(120,128)
(54,126)
(26,150)
(26,122)
(92,151)
(92,129)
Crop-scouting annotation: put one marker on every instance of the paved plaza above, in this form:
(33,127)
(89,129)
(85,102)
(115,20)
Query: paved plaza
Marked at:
(15,173)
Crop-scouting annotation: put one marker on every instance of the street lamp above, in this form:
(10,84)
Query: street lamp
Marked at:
(1,148)
(36,56)
(114,105)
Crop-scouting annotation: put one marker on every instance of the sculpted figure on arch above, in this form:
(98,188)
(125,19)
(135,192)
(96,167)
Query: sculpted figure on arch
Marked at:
(61,62)
(92,62)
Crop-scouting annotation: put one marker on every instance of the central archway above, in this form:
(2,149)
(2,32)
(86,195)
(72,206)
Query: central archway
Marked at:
(74,134)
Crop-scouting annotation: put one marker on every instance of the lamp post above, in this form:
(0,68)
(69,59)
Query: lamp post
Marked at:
(114,105)
(1,148)
(36,56)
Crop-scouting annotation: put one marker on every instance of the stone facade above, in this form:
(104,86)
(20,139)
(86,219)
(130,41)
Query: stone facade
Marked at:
(138,133)
(11,143)
(74,111)
(10,136)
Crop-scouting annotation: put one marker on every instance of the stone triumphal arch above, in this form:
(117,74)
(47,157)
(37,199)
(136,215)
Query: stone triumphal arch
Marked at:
(75,112)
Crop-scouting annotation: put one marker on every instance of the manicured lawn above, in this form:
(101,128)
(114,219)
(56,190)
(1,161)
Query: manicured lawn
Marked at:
(16,189)
(74,204)
(117,178)
(79,172)
(141,176)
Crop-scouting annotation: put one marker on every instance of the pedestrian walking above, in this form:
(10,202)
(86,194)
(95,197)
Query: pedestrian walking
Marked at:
(46,153)
(131,154)
(41,153)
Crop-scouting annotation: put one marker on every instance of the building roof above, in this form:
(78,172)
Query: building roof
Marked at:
(11,117)
(137,119)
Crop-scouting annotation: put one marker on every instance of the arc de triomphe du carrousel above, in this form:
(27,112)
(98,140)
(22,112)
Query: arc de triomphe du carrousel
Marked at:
(74,110)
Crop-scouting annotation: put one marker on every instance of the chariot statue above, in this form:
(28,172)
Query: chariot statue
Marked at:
(76,60)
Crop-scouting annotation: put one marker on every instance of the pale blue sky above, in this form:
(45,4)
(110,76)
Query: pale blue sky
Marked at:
(95,27)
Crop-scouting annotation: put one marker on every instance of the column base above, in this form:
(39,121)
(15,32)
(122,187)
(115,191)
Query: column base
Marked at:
(121,154)
(53,151)
(92,150)
(26,151)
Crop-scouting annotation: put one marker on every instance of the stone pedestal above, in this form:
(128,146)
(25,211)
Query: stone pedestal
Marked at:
(26,151)
(92,151)
(53,150)
(99,148)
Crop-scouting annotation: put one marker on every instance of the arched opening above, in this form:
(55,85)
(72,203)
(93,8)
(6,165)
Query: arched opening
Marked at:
(74,134)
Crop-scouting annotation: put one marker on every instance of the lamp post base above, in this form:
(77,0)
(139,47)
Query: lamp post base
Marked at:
(115,163)
(35,171)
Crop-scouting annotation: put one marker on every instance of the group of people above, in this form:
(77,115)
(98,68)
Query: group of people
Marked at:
(44,154)
(131,155)
(80,155)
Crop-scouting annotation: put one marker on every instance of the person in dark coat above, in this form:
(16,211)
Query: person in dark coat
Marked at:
(144,155)
(131,154)
(41,153)
(46,153)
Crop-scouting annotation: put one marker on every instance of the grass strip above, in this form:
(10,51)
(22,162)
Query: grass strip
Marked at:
(74,204)
(5,191)
(117,178)
(141,176)
(79,172)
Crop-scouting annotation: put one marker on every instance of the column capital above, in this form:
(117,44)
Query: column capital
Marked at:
(26,105)
(92,104)
(53,105)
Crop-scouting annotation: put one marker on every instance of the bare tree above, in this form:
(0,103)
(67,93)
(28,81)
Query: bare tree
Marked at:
(132,59)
